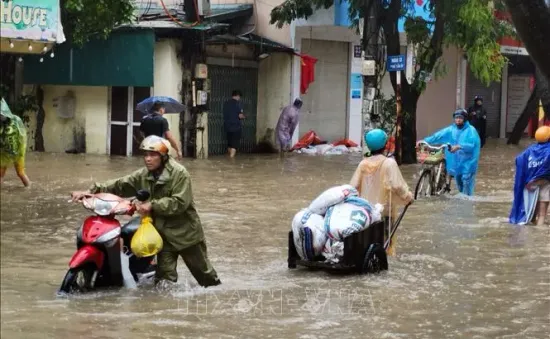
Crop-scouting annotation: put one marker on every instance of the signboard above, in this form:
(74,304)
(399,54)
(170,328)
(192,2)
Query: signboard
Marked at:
(357,51)
(368,68)
(518,95)
(30,20)
(508,44)
(396,63)
(356,81)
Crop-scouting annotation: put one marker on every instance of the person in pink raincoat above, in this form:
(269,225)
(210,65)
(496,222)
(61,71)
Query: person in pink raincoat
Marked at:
(287,124)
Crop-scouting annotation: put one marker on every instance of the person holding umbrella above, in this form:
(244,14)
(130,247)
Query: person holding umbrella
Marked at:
(154,122)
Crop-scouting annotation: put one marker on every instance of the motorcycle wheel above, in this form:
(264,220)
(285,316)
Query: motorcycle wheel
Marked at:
(79,279)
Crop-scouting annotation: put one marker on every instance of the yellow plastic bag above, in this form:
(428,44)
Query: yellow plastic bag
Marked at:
(146,242)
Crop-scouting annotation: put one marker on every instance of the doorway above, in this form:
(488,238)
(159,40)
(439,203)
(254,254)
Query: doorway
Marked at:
(124,120)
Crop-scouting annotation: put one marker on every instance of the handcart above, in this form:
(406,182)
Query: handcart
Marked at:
(364,252)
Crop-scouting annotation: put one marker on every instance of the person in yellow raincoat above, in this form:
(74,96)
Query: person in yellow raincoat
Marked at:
(13,143)
(379,180)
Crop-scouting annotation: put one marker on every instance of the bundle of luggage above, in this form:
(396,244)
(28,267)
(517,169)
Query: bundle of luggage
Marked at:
(320,229)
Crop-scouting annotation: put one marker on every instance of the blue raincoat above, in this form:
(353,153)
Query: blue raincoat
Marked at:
(532,164)
(462,164)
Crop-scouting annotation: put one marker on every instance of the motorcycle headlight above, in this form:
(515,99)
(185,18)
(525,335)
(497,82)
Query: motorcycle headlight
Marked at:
(102,207)
(112,234)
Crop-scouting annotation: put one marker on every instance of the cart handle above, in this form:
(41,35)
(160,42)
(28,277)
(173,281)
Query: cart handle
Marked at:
(397,222)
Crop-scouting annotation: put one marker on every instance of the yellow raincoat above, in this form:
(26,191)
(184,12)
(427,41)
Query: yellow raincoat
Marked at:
(379,181)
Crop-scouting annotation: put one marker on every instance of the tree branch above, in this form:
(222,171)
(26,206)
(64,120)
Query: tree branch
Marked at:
(532,21)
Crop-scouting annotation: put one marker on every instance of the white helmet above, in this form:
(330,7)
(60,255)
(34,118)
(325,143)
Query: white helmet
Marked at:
(155,143)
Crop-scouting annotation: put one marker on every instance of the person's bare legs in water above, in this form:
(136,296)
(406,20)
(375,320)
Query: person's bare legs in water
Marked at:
(20,170)
(544,202)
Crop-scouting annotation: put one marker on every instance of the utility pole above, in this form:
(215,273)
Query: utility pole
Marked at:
(370,68)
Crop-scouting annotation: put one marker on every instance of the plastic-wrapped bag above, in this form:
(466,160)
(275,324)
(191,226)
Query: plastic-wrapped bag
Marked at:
(352,216)
(333,251)
(309,234)
(147,241)
(127,278)
(322,149)
(331,197)
(309,150)
(337,150)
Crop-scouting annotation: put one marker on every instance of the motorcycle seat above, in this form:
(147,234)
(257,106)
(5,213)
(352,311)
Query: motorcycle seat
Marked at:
(131,226)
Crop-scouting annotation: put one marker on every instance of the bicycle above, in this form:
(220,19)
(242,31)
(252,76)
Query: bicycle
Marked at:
(433,176)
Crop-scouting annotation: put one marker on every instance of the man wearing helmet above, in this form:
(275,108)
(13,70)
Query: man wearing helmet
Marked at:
(379,180)
(478,118)
(532,175)
(173,210)
(463,157)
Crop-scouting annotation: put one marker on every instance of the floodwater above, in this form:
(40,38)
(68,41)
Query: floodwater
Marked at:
(461,271)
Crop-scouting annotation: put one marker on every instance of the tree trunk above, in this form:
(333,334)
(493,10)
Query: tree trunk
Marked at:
(540,92)
(528,112)
(543,91)
(532,21)
(408,142)
(370,47)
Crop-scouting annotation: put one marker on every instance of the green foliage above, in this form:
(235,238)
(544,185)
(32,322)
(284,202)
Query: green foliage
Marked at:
(296,9)
(476,31)
(466,24)
(85,19)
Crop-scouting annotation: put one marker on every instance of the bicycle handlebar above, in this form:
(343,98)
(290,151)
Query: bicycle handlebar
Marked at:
(434,148)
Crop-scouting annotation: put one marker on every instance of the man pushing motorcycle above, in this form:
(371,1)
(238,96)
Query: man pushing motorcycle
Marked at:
(172,208)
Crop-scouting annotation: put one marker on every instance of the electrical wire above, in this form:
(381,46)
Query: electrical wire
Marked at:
(174,19)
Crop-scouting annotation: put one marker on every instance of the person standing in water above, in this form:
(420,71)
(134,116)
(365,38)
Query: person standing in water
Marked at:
(233,116)
(288,120)
(172,208)
(13,144)
(379,180)
(532,172)
(463,157)
(478,118)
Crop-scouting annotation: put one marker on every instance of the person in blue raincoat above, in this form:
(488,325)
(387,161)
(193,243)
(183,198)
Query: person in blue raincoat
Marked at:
(463,157)
(532,172)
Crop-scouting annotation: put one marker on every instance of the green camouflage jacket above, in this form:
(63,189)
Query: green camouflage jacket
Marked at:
(173,209)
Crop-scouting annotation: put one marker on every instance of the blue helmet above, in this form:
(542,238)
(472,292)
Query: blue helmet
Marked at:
(461,112)
(376,139)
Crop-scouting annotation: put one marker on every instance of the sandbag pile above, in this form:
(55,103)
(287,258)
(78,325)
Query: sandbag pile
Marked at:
(311,143)
(337,213)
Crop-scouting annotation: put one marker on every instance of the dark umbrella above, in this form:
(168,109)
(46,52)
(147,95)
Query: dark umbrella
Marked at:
(170,105)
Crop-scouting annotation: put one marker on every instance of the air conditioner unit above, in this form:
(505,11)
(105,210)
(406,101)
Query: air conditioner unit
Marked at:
(204,7)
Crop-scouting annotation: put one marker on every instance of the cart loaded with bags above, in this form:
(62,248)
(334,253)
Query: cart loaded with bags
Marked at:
(340,231)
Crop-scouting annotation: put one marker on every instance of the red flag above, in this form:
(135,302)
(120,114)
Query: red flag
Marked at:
(307,75)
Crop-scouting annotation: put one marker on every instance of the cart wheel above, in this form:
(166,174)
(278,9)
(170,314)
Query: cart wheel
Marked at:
(291,251)
(375,259)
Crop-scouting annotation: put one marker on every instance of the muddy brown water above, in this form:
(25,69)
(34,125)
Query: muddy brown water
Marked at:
(461,270)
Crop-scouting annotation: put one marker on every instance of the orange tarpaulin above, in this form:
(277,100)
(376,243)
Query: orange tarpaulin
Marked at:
(306,140)
(345,142)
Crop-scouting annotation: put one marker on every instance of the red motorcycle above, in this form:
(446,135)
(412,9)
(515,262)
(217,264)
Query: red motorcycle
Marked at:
(97,261)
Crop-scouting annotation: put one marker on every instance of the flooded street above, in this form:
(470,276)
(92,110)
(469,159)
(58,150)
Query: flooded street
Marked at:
(461,271)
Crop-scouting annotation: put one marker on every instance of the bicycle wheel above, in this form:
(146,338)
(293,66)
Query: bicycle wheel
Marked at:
(424,185)
(441,184)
